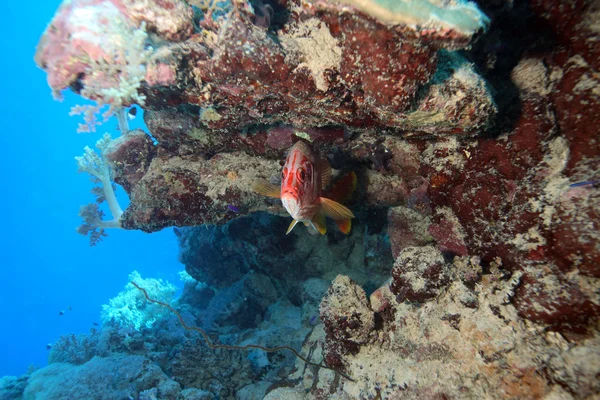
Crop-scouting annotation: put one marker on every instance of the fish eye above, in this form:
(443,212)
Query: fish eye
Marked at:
(301,174)
(283,173)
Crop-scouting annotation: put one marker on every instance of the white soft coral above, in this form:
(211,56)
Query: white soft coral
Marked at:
(95,164)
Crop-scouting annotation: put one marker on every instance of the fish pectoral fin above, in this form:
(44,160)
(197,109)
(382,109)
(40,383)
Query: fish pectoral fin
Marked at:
(335,210)
(318,222)
(292,225)
(265,188)
(345,225)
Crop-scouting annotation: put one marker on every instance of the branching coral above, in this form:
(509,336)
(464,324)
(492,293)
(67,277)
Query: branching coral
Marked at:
(95,164)
(74,349)
(213,345)
(129,310)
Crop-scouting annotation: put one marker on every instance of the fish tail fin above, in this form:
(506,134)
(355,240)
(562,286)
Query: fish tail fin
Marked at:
(345,225)
(342,190)
(340,193)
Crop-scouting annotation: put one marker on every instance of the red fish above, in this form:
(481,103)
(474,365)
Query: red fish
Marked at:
(303,178)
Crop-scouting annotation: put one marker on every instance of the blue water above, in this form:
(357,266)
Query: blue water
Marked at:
(45,266)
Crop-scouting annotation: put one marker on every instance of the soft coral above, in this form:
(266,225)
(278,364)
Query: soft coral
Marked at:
(95,164)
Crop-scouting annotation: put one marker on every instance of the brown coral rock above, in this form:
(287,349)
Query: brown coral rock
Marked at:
(347,318)
(419,273)
(129,157)
(195,191)
(325,66)
(448,348)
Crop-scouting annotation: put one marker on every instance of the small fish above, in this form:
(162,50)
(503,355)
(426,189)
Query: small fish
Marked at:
(48,346)
(233,208)
(594,183)
(303,178)
(132,113)
(95,323)
(61,312)
(70,308)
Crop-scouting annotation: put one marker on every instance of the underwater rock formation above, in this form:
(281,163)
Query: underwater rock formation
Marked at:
(347,319)
(311,63)
(123,375)
(461,343)
(473,263)
(213,89)
(222,255)
(516,196)
(419,274)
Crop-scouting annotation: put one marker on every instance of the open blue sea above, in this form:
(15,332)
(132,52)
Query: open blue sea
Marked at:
(47,267)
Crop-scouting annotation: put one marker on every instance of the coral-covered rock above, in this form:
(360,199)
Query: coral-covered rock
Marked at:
(314,53)
(407,228)
(194,191)
(382,299)
(512,194)
(347,318)
(199,187)
(419,274)
(363,66)
(98,47)
(456,97)
(574,242)
(415,353)
(172,20)
(110,377)
(183,133)
(448,232)
(548,296)
(129,157)
(220,255)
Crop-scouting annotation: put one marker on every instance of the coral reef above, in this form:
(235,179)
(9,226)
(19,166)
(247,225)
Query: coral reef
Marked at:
(471,270)
(461,343)
(129,309)
(233,84)
(419,274)
(101,378)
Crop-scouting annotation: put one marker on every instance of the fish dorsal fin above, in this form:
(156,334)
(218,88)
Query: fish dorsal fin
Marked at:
(305,149)
(318,222)
(265,188)
(302,145)
(292,225)
(335,210)
(325,171)
(345,225)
